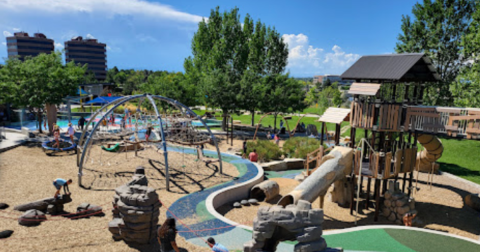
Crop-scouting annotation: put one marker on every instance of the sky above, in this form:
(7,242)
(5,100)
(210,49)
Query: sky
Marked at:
(324,37)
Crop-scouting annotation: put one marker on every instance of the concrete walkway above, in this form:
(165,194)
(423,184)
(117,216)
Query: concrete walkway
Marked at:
(11,140)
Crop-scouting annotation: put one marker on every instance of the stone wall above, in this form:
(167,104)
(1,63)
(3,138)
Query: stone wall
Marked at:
(397,204)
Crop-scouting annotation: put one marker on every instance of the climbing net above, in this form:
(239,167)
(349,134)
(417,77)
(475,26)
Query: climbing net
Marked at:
(164,136)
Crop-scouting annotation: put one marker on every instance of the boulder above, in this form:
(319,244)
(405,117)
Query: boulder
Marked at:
(294,163)
(237,205)
(244,202)
(5,234)
(87,209)
(253,201)
(3,206)
(32,217)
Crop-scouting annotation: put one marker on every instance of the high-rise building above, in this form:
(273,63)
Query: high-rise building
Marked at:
(20,45)
(90,52)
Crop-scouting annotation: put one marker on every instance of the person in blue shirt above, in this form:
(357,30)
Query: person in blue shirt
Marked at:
(216,247)
(58,183)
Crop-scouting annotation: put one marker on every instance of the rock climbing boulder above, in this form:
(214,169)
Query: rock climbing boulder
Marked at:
(87,209)
(237,205)
(5,234)
(294,222)
(32,218)
(3,206)
(136,211)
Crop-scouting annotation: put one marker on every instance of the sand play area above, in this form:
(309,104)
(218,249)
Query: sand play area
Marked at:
(26,174)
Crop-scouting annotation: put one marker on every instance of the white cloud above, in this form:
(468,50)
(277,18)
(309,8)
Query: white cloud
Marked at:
(307,60)
(109,48)
(7,34)
(59,46)
(16,29)
(90,36)
(4,43)
(108,7)
(145,38)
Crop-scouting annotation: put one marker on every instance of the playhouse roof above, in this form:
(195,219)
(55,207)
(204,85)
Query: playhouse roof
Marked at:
(335,115)
(406,67)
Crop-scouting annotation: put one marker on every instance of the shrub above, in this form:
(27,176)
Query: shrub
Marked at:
(266,150)
(299,147)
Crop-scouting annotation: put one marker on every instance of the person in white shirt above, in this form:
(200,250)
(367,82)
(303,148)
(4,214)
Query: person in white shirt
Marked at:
(70,131)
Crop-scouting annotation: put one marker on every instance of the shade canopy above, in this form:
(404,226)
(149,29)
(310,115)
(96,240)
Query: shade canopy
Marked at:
(103,100)
(335,115)
(364,89)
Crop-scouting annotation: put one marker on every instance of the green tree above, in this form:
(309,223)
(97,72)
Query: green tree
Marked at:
(39,82)
(133,82)
(436,29)
(230,60)
(326,83)
(281,94)
(312,96)
(466,87)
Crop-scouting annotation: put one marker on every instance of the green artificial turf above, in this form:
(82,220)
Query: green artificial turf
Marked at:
(428,242)
(366,240)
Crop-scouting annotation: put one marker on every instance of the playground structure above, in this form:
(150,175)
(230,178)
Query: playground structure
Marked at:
(387,96)
(116,147)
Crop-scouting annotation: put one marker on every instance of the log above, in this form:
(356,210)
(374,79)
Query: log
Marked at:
(335,166)
(265,191)
(42,204)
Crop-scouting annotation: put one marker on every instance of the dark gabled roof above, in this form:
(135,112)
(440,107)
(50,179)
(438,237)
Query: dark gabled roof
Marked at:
(411,67)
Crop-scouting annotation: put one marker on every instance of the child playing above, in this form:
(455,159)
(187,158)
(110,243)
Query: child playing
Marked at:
(70,131)
(56,135)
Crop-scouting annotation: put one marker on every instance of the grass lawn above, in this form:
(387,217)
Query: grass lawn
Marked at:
(461,157)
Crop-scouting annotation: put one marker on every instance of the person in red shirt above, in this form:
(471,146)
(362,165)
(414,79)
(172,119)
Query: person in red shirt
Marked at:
(253,156)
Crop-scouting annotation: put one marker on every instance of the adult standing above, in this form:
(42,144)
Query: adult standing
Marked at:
(81,122)
(166,235)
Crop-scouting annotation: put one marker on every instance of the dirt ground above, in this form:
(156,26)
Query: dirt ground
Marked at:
(440,208)
(26,174)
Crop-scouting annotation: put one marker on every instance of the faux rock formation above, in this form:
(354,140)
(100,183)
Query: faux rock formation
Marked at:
(237,205)
(136,211)
(50,205)
(5,234)
(295,222)
(473,201)
(265,190)
(397,204)
(32,217)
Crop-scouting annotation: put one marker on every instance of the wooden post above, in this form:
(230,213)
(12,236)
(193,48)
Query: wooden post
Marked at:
(410,182)
(352,196)
(377,199)
(368,193)
(322,134)
(337,134)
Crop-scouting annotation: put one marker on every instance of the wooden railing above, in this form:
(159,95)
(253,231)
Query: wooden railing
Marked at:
(455,122)
(388,115)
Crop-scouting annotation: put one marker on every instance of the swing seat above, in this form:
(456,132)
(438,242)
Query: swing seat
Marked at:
(114,148)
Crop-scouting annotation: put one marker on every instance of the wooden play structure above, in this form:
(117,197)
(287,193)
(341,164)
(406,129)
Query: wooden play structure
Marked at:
(387,97)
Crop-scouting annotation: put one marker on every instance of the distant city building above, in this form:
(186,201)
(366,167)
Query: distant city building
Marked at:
(88,51)
(332,78)
(20,45)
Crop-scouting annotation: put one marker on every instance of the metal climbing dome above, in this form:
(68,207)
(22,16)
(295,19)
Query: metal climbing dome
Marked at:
(153,131)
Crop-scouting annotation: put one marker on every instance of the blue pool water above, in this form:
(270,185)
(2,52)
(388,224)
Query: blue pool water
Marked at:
(63,123)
